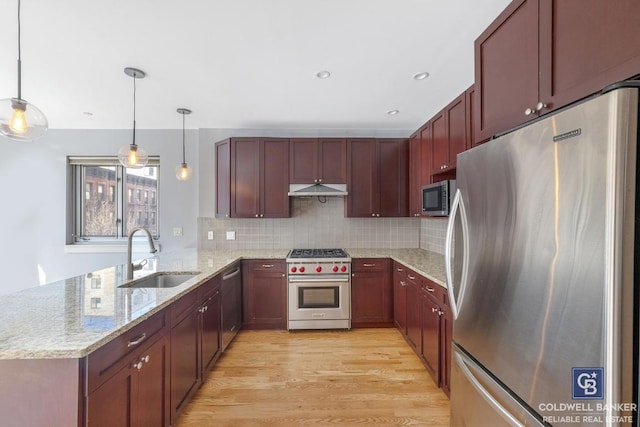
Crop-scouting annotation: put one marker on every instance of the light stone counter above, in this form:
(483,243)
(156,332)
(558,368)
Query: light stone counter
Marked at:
(427,263)
(71,318)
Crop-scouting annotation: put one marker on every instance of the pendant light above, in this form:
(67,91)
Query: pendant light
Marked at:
(19,119)
(133,156)
(183,171)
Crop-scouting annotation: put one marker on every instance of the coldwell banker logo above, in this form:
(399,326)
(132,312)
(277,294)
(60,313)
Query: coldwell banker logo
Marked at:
(588,383)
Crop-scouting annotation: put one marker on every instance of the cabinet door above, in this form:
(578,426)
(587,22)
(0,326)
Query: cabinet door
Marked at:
(439,143)
(586,45)
(210,336)
(446,329)
(112,403)
(223,179)
(274,183)
(414,309)
(152,403)
(430,351)
(245,177)
(371,292)
(470,106)
(393,177)
(265,294)
(332,160)
(506,69)
(231,303)
(303,154)
(361,177)
(415,175)
(456,121)
(185,373)
(426,149)
(399,298)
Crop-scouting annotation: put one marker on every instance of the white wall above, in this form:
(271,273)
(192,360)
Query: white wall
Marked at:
(33,214)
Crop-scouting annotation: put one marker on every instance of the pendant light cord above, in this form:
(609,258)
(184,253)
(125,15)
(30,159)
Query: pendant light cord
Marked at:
(183,155)
(134,109)
(19,57)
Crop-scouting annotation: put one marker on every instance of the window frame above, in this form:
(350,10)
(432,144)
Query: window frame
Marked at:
(76,199)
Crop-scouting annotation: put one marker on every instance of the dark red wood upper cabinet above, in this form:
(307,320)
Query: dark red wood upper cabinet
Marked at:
(361,177)
(540,55)
(393,177)
(426,154)
(318,160)
(439,143)
(415,175)
(586,45)
(259,178)
(274,174)
(455,118)
(506,69)
(303,153)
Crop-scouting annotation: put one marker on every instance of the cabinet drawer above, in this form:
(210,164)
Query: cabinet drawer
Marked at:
(184,306)
(266,265)
(371,264)
(104,362)
(413,277)
(437,292)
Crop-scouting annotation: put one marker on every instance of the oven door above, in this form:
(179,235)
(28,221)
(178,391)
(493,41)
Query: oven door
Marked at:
(319,298)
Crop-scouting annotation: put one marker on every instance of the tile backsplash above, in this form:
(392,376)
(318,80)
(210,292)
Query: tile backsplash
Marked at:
(321,225)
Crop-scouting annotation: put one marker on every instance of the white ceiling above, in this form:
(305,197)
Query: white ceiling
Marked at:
(241,63)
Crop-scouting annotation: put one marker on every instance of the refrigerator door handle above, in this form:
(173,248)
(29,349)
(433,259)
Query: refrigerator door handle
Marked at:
(457,208)
(462,364)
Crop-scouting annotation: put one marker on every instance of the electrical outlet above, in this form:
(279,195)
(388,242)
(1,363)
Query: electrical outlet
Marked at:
(231,235)
(177,231)
(210,235)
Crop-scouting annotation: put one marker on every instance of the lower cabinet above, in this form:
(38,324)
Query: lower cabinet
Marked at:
(195,341)
(371,292)
(423,315)
(264,291)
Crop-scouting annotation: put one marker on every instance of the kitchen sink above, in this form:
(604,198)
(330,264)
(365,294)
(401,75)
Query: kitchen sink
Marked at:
(161,280)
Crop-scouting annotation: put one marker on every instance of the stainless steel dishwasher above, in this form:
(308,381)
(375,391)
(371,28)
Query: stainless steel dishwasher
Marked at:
(231,304)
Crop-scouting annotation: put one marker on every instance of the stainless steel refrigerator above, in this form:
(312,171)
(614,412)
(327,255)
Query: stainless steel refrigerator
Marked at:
(540,266)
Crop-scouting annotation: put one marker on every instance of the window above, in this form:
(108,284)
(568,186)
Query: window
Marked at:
(96,302)
(98,217)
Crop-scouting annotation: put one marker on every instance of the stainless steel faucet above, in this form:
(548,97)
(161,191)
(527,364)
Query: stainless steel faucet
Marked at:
(152,249)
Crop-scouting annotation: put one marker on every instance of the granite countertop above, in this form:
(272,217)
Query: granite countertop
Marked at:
(73,317)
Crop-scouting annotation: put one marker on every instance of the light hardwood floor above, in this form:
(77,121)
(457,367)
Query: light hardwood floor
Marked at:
(280,378)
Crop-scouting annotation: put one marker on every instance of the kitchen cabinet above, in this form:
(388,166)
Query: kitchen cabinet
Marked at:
(371,292)
(446,337)
(540,55)
(449,136)
(195,341)
(264,290)
(128,378)
(231,290)
(318,160)
(399,298)
(414,310)
(256,182)
(430,345)
(426,138)
(377,177)
(415,175)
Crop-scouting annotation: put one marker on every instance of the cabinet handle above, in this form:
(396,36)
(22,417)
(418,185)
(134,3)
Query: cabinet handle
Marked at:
(320,180)
(261,215)
(369,265)
(411,277)
(315,180)
(402,282)
(434,310)
(428,289)
(399,270)
(138,340)
(256,215)
(146,359)
(539,107)
(373,214)
(233,328)
(267,265)
(138,365)
(230,274)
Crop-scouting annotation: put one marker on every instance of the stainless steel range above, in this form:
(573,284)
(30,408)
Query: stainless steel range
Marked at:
(319,289)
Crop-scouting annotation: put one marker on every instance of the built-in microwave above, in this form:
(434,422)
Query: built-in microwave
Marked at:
(437,198)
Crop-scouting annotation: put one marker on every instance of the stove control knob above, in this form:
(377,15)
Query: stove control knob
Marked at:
(343,268)
(318,269)
(335,268)
(294,269)
(301,269)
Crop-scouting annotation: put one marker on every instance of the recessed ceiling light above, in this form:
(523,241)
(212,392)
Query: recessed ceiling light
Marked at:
(324,74)
(87,113)
(421,76)
(393,112)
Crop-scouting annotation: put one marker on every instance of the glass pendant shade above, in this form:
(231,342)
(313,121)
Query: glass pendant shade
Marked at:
(183,172)
(133,156)
(21,121)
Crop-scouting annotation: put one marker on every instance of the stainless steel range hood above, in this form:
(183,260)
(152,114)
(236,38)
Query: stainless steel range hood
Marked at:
(311,190)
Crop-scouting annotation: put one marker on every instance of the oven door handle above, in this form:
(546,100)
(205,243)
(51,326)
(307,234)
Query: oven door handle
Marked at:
(294,279)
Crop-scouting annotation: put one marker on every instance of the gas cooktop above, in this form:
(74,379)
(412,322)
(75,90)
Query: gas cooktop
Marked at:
(317,253)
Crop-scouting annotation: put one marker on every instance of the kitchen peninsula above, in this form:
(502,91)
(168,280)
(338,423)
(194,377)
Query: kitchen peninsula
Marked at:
(49,335)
